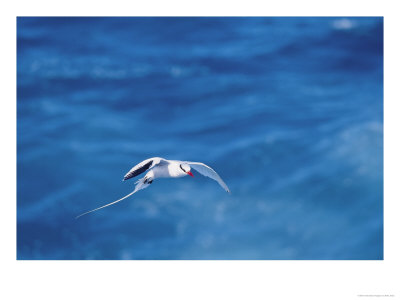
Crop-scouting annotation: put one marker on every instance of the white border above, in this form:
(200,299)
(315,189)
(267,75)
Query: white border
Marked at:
(198,279)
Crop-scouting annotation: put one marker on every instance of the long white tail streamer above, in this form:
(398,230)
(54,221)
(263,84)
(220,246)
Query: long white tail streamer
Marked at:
(140,185)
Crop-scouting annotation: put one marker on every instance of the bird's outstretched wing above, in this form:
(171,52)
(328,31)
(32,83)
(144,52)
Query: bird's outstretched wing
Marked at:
(144,166)
(208,172)
(140,185)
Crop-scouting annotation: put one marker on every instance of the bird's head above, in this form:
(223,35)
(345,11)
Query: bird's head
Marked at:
(186,168)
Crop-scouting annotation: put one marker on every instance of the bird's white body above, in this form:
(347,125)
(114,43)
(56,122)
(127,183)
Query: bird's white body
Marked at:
(172,169)
(158,167)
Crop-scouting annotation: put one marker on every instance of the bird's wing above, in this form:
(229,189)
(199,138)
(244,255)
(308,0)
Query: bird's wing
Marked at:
(208,172)
(144,166)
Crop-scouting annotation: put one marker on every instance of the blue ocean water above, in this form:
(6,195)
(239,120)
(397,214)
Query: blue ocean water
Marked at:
(289,111)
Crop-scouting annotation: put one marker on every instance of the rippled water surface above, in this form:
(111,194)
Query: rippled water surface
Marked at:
(289,111)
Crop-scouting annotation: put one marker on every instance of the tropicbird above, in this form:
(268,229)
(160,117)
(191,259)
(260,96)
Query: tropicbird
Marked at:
(162,168)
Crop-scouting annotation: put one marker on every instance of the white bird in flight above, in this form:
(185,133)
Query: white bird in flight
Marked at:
(158,168)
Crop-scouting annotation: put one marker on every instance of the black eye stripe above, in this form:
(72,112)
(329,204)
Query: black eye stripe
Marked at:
(182,168)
